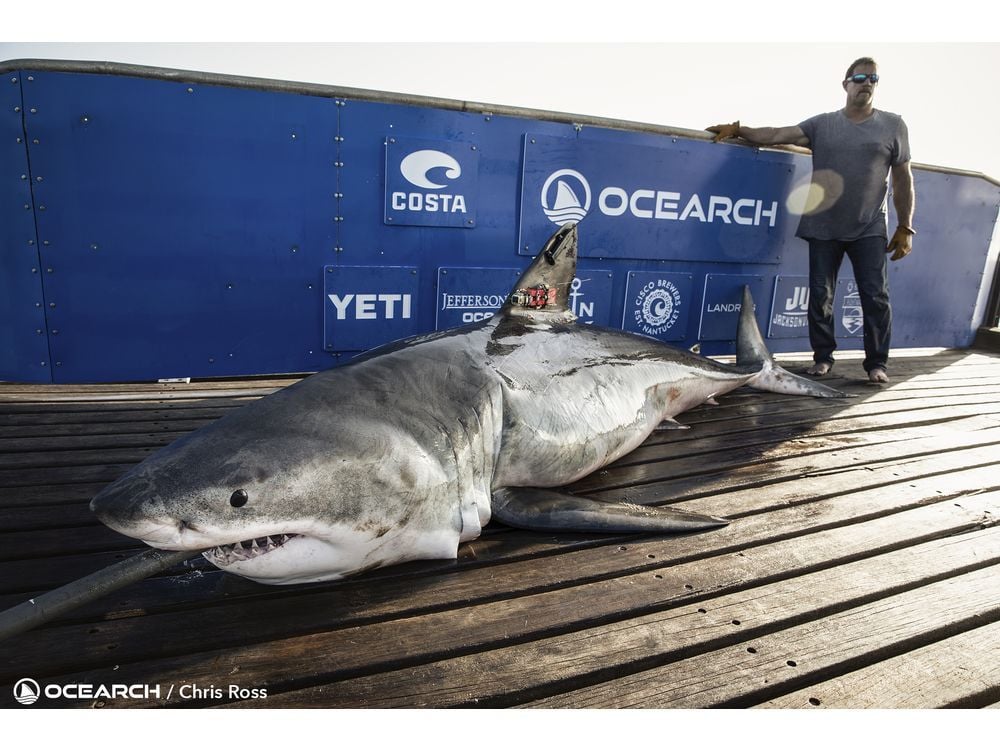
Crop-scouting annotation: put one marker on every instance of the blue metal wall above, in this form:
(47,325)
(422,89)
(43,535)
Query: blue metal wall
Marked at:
(155,228)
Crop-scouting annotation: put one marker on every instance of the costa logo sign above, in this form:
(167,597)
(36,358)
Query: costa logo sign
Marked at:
(430,183)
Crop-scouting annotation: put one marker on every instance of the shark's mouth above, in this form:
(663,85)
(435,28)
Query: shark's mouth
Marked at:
(250,549)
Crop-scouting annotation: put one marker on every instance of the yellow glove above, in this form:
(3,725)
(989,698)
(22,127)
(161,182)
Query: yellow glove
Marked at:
(732,130)
(901,243)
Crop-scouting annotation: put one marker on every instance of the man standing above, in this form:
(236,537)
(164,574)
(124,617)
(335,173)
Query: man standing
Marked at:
(853,151)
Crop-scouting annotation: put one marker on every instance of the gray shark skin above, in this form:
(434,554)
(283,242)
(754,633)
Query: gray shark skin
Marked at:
(412,448)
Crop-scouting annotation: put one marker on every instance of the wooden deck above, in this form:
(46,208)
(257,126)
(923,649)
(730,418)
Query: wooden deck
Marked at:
(862,568)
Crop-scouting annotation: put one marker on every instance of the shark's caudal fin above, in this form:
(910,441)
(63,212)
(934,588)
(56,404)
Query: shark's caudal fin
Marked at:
(544,287)
(752,352)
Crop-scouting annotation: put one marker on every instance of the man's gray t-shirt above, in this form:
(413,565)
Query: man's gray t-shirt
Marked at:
(851,164)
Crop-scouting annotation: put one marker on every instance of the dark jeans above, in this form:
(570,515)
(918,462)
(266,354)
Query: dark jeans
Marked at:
(868,259)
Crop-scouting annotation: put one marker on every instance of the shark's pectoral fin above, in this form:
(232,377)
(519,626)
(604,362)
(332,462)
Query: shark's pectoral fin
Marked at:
(549,510)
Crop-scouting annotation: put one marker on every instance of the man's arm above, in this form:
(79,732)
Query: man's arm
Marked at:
(904,200)
(789,135)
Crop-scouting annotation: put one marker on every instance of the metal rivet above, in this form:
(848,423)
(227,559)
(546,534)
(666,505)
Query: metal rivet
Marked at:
(392,140)
(190,90)
(41,208)
(38,179)
(38,330)
(43,364)
(34,270)
(17,109)
(84,119)
(294,136)
(93,246)
(211,360)
(389,218)
(55,331)
(24,177)
(475,148)
(48,270)
(13,80)
(35,141)
(31,78)
(34,110)
(52,305)
(19,139)
(45,242)
(31,242)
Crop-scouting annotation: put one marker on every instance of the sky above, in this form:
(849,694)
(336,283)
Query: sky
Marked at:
(945,90)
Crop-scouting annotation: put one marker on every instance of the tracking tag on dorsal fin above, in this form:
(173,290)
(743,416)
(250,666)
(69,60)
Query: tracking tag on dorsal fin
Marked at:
(544,287)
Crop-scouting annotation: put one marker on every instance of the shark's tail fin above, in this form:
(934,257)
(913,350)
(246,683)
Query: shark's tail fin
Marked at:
(752,352)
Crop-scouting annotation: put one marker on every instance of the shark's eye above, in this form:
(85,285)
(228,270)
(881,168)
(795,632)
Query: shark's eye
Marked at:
(239,498)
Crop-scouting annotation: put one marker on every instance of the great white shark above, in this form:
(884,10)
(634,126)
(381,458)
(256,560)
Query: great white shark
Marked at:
(412,448)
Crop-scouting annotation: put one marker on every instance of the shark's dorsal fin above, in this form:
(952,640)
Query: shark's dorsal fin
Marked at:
(545,285)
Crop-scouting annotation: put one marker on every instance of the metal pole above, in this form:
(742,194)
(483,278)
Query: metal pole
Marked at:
(41,609)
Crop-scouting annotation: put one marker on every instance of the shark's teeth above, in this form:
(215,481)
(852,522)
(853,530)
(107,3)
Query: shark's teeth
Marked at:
(248,549)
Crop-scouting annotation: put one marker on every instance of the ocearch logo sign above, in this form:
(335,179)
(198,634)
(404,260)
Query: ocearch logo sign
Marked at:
(566,197)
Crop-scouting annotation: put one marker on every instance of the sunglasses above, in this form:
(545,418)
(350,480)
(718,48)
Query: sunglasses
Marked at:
(862,77)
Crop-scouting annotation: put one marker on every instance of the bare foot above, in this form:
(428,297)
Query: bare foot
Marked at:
(877,375)
(820,369)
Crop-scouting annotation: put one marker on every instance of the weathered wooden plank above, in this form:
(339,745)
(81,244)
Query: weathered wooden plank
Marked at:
(29,461)
(65,413)
(57,494)
(777,433)
(514,674)
(65,436)
(534,618)
(36,451)
(48,543)
(778,662)
(961,671)
(20,478)
(716,471)
(81,398)
(43,390)
(37,517)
